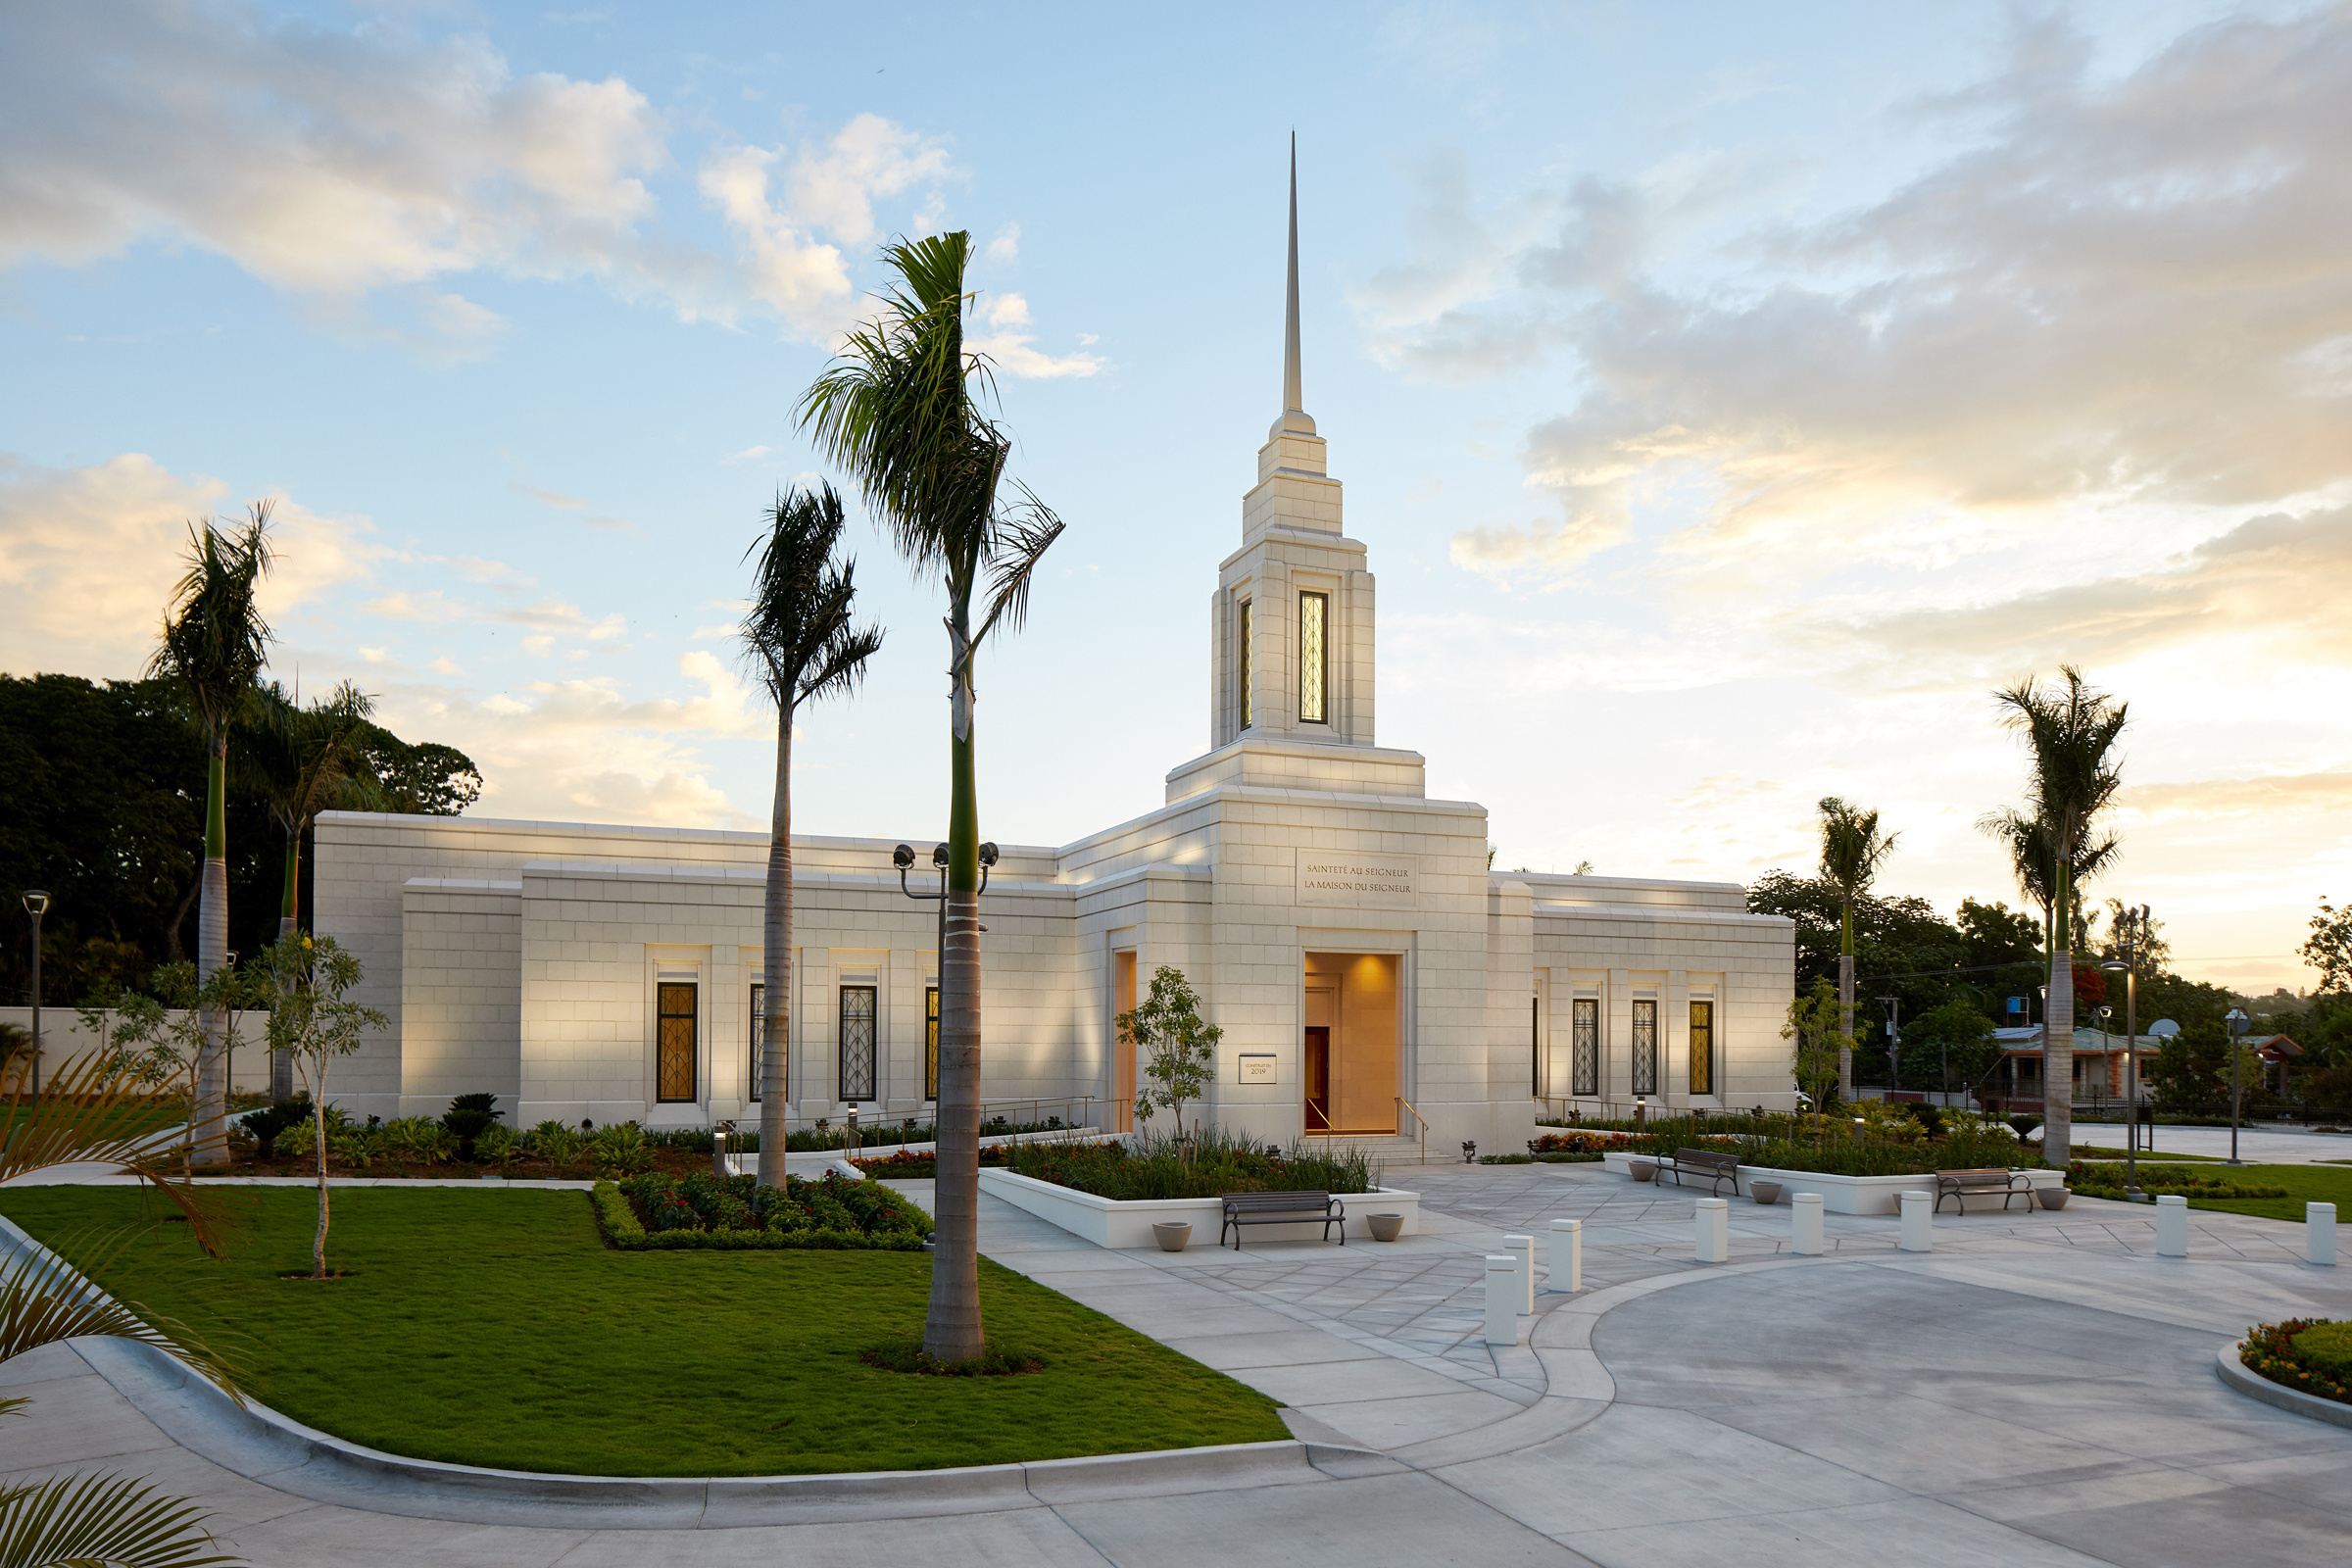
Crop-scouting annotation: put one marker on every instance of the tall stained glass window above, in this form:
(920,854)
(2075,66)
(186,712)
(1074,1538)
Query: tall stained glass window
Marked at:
(856,1042)
(759,1030)
(673,1040)
(1248,701)
(1702,1047)
(1314,659)
(1584,1049)
(930,1042)
(1645,1045)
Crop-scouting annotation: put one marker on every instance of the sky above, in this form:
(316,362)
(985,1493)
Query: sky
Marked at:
(1730,397)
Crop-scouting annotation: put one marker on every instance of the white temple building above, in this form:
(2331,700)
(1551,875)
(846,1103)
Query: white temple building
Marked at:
(1373,978)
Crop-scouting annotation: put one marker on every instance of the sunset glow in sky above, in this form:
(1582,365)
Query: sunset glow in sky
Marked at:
(1731,396)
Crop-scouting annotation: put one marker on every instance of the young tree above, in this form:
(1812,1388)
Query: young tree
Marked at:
(2070,733)
(799,636)
(1177,1048)
(305,982)
(1851,852)
(901,409)
(1821,1046)
(163,1039)
(214,644)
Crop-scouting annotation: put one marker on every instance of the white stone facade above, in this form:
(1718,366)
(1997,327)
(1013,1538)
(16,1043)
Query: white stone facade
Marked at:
(534,959)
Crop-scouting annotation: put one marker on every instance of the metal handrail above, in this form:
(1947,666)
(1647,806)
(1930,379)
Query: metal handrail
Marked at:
(1424,1121)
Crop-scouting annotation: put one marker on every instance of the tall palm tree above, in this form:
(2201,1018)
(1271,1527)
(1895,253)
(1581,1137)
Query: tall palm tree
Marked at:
(2033,859)
(901,409)
(2071,733)
(308,760)
(799,636)
(214,644)
(1851,852)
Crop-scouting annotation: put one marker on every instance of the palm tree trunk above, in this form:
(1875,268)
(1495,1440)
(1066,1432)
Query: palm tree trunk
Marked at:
(1845,1011)
(775,966)
(952,1330)
(208,1114)
(2058,1029)
(287,914)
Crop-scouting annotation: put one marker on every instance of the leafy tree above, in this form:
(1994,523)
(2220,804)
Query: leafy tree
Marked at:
(2329,948)
(800,637)
(1948,1047)
(305,982)
(2190,1075)
(163,1038)
(423,779)
(2070,735)
(902,410)
(214,644)
(1820,1044)
(1176,1049)
(1852,848)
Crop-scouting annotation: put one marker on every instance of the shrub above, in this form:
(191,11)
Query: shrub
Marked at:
(1153,1165)
(556,1143)
(735,1212)
(2105,1179)
(620,1151)
(2326,1349)
(2311,1355)
(418,1139)
(498,1146)
(358,1148)
(272,1122)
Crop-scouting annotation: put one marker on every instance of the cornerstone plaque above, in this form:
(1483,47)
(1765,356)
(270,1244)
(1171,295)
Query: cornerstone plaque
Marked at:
(1351,881)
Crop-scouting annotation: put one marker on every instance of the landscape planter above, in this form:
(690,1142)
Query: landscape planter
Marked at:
(1640,1170)
(1129,1224)
(1172,1237)
(1844,1195)
(1764,1192)
(2052,1196)
(1384,1227)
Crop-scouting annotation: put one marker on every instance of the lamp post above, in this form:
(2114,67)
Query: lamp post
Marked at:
(2237,1020)
(2105,1013)
(1895,1044)
(903,859)
(2134,928)
(36,904)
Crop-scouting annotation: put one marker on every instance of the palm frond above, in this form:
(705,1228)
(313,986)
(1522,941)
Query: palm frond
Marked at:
(96,1111)
(103,1522)
(215,640)
(45,1300)
(797,632)
(1023,539)
(1851,847)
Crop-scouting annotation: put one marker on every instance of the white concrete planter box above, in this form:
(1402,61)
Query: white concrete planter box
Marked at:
(1105,1223)
(1848,1194)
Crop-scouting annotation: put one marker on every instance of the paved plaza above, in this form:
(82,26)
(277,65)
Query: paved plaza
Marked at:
(2039,1389)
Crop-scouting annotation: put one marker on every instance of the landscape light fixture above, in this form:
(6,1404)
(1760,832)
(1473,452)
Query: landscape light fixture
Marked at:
(36,904)
(1895,1041)
(2238,1021)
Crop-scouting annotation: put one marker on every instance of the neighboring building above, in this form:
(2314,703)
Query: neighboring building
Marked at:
(1342,928)
(2098,1069)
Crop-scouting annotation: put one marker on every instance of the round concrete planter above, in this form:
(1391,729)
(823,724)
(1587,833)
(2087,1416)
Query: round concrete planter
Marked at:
(1766,1193)
(1172,1238)
(2052,1196)
(1384,1227)
(1642,1170)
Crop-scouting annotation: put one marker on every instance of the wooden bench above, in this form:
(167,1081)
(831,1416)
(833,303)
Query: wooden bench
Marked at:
(1956,1184)
(1718,1167)
(1282,1208)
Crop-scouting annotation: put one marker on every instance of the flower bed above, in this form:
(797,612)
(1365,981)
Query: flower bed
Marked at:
(909,1165)
(2311,1355)
(2106,1180)
(1152,1168)
(661,1212)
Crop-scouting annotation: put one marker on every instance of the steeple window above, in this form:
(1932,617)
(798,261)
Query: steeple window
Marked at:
(1314,659)
(1248,716)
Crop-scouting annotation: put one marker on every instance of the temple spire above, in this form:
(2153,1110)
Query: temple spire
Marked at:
(1291,397)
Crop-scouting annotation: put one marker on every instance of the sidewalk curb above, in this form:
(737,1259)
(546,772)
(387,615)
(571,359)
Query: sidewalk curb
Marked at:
(2246,1381)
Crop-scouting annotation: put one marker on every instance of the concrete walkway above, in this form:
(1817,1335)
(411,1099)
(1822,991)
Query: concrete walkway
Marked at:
(2038,1390)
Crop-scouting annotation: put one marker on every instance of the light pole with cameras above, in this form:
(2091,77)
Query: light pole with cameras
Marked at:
(36,904)
(2238,1021)
(903,859)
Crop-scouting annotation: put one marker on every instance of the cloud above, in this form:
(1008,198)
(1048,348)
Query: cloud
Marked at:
(547,498)
(749,455)
(1006,245)
(88,558)
(1010,352)
(2120,290)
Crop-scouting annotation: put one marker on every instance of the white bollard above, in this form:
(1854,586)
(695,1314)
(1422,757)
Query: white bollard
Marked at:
(1503,1305)
(1714,1230)
(1523,1247)
(2318,1234)
(1567,1275)
(1919,1223)
(2171,1225)
(1805,1237)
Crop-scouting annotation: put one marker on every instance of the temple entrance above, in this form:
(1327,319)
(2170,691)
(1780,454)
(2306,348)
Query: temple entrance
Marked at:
(1348,1056)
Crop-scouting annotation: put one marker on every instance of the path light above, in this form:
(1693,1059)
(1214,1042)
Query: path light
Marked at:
(36,904)
(2238,1021)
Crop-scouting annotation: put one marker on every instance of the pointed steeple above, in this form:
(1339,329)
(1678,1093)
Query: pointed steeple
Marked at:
(1295,420)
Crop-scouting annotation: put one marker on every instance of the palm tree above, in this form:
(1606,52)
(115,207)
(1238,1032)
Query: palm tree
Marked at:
(308,760)
(215,643)
(798,637)
(2031,860)
(901,409)
(1851,852)
(2071,733)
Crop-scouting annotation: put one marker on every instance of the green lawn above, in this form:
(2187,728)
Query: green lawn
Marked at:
(2304,1184)
(494,1328)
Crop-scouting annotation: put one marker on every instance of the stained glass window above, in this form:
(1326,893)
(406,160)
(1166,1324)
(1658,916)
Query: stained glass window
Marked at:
(856,1042)
(1248,705)
(1585,1046)
(930,1042)
(1703,1048)
(1645,1045)
(1314,659)
(673,1040)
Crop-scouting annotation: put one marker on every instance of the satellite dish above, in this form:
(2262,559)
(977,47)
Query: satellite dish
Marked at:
(2164,1028)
